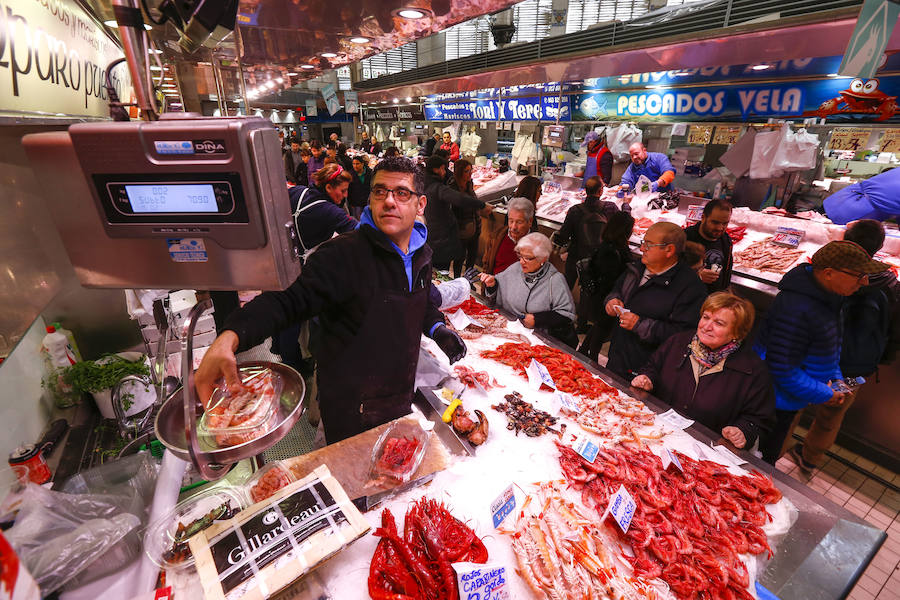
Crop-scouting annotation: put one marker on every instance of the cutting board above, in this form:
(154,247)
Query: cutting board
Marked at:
(349,460)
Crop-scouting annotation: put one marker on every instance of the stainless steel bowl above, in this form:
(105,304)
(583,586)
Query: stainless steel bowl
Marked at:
(172,433)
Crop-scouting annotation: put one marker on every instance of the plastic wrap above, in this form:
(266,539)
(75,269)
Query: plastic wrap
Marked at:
(797,151)
(738,157)
(57,535)
(398,453)
(619,139)
(234,417)
(453,293)
(765,148)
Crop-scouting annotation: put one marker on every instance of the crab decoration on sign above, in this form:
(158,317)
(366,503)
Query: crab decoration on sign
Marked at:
(862,97)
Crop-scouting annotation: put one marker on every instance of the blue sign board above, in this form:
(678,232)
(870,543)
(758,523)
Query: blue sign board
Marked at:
(513,109)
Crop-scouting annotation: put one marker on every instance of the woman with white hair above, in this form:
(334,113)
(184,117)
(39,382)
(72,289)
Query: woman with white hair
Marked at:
(534,291)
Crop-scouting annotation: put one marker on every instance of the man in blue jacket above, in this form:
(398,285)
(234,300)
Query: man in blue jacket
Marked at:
(874,198)
(655,166)
(800,340)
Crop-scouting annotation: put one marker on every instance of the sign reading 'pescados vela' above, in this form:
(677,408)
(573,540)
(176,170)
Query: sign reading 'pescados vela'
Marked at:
(53,58)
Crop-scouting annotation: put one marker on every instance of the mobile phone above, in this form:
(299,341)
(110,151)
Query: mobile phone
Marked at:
(854,382)
(620,309)
(839,386)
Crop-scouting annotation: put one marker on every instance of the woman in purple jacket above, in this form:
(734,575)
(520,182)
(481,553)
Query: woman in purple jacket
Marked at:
(711,376)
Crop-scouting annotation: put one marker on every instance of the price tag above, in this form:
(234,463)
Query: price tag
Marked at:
(567,403)
(695,213)
(674,420)
(507,126)
(699,134)
(849,138)
(621,507)
(585,448)
(729,456)
(788,236)
(481,582)
(538,375)
(503,506)
(461,320)
(679,128)
(726,135)
(482,125)
(890,141)
(669,458)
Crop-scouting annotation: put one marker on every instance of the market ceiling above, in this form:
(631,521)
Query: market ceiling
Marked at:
(307,37)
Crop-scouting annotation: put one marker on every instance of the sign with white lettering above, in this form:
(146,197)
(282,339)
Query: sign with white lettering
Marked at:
(538,375)
(481,582)
(503,506)
(669,458)
(53,58)
(585,448)
(351,102)
(331,100)
(621,507)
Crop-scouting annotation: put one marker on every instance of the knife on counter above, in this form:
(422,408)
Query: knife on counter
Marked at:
(367,503)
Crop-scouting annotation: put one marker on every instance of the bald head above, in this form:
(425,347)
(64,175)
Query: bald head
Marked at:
(638,153)
(663,243)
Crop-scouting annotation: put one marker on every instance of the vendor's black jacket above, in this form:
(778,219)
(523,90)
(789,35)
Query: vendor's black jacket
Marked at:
(721,284)
(443,230)
(430,145)
(366,366)
(740,395)
(667,304)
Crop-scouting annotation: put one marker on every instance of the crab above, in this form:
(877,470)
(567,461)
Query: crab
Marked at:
(860,97)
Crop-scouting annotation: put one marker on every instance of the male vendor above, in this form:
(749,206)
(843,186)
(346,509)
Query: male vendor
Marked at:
(710,233)
(655,166)
(370,289)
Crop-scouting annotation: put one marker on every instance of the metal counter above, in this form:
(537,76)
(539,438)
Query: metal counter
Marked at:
(826,550)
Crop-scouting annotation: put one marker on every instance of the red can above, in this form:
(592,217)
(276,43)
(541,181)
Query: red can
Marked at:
(28,463)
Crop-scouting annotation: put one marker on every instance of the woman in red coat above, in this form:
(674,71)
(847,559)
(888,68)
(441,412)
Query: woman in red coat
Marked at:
(450,146)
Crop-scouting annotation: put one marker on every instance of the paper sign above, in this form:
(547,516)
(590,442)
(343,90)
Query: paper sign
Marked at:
(538,375)
(566,402)
(351,102)
(726,135)
(890,141)
(331,100)
(674,420)
(461,320)
(679,128)
(849,138)
(482,125)
(699,134)
(187,250)
(311,109)
(481,582)
(729,456)
(507,126)
(695,212)
(621,507)
(503,506)
(585,448)
(669,458)
(788,236)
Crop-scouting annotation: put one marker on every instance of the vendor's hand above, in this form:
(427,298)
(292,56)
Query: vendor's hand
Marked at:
(218,362)
(449,342)
(628,320)
(612,303)
(528,321)
(708,275)
(488,280)
(735,436)
(654,186)
(642,382)
(837,398)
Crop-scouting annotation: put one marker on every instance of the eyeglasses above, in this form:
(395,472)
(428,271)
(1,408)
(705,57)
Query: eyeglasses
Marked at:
(860,277)
(401,194)
(645,245)
(526,258)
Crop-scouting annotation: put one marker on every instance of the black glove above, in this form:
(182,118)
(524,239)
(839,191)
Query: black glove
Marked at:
(449,342)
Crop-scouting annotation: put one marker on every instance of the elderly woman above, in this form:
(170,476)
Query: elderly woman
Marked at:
(711,376)
(534,290)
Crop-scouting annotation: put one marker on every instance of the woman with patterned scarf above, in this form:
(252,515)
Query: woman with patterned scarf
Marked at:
(713,376)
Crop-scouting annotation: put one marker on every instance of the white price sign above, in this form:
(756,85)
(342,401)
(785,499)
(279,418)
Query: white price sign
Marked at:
(621,507)
(538,375)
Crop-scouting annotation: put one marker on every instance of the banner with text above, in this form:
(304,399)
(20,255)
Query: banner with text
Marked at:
(513,109)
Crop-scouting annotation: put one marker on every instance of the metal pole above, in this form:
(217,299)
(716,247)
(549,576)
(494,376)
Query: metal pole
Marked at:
(133,36)
(240,45)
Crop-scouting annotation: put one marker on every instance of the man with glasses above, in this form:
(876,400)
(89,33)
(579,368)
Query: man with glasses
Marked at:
(370,289)
(653,300)
(500,251)
(800,339)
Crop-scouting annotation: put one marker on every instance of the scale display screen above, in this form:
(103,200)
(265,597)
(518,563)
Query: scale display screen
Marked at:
(182,198)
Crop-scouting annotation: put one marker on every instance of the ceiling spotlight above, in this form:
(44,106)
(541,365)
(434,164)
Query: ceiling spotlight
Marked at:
(411,13)
(279,80)
(155,68)
(291,74)
(270,84)
(408,99)
(384,101)
(307,67)
(328,55)
(396,100)
(761,67)
(154,51)
(359,40)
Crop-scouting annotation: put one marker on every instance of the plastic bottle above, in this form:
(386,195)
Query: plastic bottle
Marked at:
(71,337)
(58,355)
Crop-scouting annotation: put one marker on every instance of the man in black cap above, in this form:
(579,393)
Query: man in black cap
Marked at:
(800,340)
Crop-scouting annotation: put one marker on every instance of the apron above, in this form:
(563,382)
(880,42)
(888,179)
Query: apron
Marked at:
(592,166)
(372,381)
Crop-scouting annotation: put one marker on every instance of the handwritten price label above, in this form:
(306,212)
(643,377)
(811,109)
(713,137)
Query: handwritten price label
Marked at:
(669,458)
(727,135)
(788,236)
(481,582)
(849,138)
(695,213)
(566,402)
(890,141)
(699,134)
(538,375)
(503,506)
(585,448)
